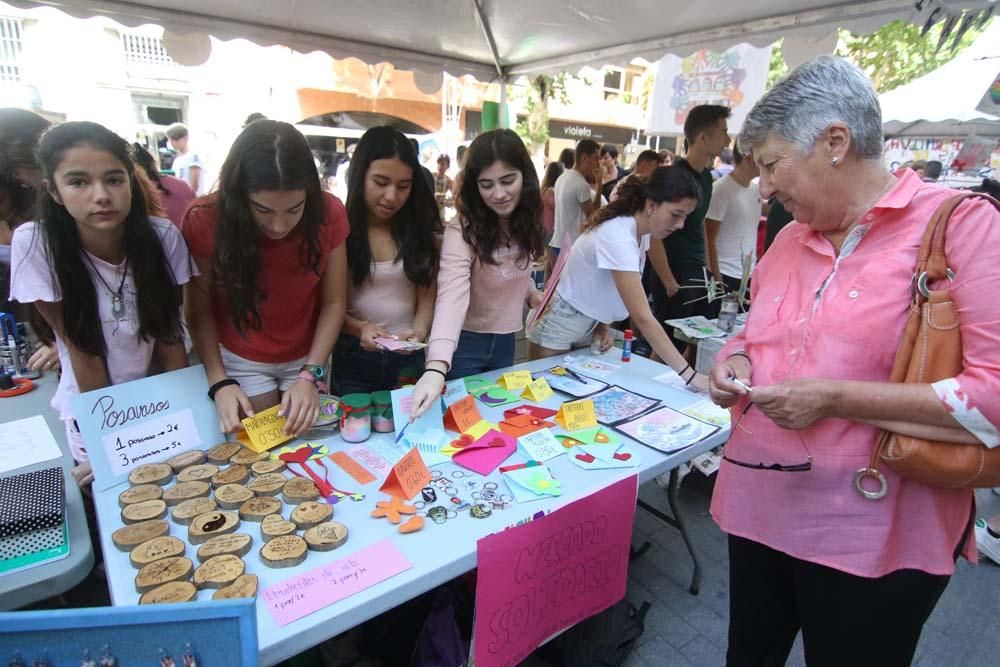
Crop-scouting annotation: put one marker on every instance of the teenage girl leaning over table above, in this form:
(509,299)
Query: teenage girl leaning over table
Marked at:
(485,275)
(269,302)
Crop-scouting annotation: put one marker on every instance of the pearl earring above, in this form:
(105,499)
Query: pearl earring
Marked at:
(834,160)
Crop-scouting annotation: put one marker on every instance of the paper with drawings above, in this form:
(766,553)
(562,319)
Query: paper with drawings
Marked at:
(25,442)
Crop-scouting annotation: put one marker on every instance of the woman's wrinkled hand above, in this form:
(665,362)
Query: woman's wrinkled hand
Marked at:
(796,404)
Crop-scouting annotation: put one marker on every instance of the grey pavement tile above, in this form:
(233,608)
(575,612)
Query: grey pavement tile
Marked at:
(671,626)
(660,652)
(635,660)
(709,624)
(702,652)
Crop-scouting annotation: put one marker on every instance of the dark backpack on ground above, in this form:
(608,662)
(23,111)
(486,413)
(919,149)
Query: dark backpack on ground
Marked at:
(603,640)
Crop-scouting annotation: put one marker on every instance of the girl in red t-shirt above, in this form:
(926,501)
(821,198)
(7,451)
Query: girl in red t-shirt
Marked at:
(272,292)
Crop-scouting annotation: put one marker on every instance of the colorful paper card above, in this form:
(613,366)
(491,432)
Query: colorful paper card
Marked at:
(454,391)
(541,445)
(570,382)
(598,435)
(513,616)
(590,366)
(538,391)
(266,429)
(480,428)
(462,415)
(523,424)
(576,415)
(485,454)
(707,411)
(429,443)
(407,477)
(512,380)
(369,458)
(495,396)
(531,482)
(357,472)
(623,457)
(666,430)
(396,345)
(402,401)
(534,410)
(615,404)
(303,594)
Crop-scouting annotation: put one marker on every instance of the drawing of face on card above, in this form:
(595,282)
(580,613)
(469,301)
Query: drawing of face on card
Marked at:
(624,457)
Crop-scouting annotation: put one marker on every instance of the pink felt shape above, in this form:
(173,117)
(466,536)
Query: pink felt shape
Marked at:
(486,453)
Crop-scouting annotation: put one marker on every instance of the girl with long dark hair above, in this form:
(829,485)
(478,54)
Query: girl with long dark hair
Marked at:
(269,302)
(602,281)
(485,275)
(392,258)
(104,274)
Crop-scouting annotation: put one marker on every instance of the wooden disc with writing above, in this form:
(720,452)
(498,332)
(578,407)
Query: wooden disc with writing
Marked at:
(151,473)
(232,496)
(163,571)
(327,536)
(206,526)
(299,490)
(182,491)
(245,586)
(186,511)
(202,472)
(265,467)
(132,536)
(284,551)
(237,544)
(156,549)
(186,460)
(246,457)
(274,526)
(259,507)
(269,484)
(219,571)
(311,513)
(139,494)
(144,511)
(175,591)
(235,474)
(221,453)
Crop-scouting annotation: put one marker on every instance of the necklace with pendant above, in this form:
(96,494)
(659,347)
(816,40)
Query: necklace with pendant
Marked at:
(118,295)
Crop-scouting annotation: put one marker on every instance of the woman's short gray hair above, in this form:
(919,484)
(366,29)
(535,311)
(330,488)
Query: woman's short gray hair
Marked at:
(817,94)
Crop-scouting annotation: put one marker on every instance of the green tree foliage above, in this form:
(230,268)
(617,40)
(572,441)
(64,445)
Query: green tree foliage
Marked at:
(534,127)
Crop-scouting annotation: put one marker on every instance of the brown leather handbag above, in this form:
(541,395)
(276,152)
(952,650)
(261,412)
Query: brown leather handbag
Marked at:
(931,350)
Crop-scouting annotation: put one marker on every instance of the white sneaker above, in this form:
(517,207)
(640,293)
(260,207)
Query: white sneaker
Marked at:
(987,543)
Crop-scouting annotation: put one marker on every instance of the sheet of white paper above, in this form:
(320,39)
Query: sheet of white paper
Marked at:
(151,441)
(595,368)
(25,442)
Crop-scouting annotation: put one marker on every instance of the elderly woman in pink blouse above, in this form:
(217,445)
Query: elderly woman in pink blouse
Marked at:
(808,552)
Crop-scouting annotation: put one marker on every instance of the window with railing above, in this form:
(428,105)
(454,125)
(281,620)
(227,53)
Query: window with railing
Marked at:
(145,55)
(10,48)
(622,85)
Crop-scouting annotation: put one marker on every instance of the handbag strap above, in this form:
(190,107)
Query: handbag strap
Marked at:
(932,259)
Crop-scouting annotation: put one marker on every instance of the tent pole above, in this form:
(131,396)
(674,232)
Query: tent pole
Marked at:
(490,41)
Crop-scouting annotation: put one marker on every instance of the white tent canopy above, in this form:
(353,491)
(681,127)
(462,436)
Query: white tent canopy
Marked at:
(943,102)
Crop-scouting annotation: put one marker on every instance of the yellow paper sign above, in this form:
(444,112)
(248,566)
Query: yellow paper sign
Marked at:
(266,430)
(479,429)
(515,380)
(537,391)
(577,415)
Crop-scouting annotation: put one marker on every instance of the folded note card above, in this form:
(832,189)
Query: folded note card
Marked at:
(486,453)
(531,483)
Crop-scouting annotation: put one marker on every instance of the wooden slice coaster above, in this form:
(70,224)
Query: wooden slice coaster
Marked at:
(284,551)
(151,473)
(327,536)
(265,467)
(221,453)
(186,511)
(132,536)
(246,457)
(175,591)
(274,526)
(259,507)
(163,571)
(182,491)
(231,475)
(245,586)
(311,513)
(219,571)
(206,526)
(269,484)
(156,549)
(186,460)
(139,494)
(232,496)
(237,544)
(203,472)
(299,490)
(144,511)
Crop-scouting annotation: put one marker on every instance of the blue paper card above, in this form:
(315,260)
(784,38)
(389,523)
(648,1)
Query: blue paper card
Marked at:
(402,399)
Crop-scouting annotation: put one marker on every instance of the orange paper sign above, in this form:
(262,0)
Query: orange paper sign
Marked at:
(462,415)
(358,472)
(407,477)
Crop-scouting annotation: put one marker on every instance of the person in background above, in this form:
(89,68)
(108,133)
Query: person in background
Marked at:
(567,157)
(187,164)
(612,171)
(443,183)
(269,303)
(918,167)
(645,163)
(666,157)
(105,275)
(456,185)
(831,297)
(932,172)
(552,174)
(485,278)
(576,199)
(723,164)
(175,194)
(253,117)
(424,170)
(392,259)
(732,220)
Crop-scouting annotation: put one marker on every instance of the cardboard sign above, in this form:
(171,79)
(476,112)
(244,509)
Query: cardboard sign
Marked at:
(145,421)
(538,391)
(543,576)
(407,477)
(358,472)
(266,430)
(577,415)
(515,380)
(462,415)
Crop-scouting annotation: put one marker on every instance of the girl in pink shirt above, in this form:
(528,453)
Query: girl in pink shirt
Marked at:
(485,277)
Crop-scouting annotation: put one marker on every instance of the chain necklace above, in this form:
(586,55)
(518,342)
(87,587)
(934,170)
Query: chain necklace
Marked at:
(117,296)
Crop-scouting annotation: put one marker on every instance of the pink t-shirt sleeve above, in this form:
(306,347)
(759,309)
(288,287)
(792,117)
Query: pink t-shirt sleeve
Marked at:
(31,277)
(176,251)
(454,278)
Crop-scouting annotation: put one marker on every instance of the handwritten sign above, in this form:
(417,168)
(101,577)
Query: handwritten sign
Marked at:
(515,380)
(358,472)
(541,445)
(145,421)
(576,415)
(311,591)
(369,458)
(454,391)
(538,391)
(407,477)
(462,415)
(538,578)
(266,430)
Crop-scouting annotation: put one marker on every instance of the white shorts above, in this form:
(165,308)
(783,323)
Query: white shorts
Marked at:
(561,326)
(257,378)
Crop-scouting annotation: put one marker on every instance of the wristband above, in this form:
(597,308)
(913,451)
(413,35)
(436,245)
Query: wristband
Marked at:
(435,370)
(214,389)
(308,377)
(740,354)
(693,374)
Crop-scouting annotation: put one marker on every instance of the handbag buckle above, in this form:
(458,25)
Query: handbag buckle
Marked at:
(920,282)
(873,473)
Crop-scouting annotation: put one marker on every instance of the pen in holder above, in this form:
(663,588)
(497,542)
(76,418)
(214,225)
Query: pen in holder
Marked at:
(14,350)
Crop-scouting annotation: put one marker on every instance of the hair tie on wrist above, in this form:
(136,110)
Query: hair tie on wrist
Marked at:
(435,370)
(693,374)
(214,389)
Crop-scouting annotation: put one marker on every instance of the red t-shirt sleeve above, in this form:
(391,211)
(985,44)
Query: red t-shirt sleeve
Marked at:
(198,228)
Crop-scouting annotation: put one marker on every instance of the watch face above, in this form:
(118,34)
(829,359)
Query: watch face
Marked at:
(318,372)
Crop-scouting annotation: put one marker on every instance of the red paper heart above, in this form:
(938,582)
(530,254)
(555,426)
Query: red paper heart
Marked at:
(623,457)
(586,458)
(300,455)
(497,442)
(462,441)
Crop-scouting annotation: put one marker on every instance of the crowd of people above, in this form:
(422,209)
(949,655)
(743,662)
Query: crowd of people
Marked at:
(265,278)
